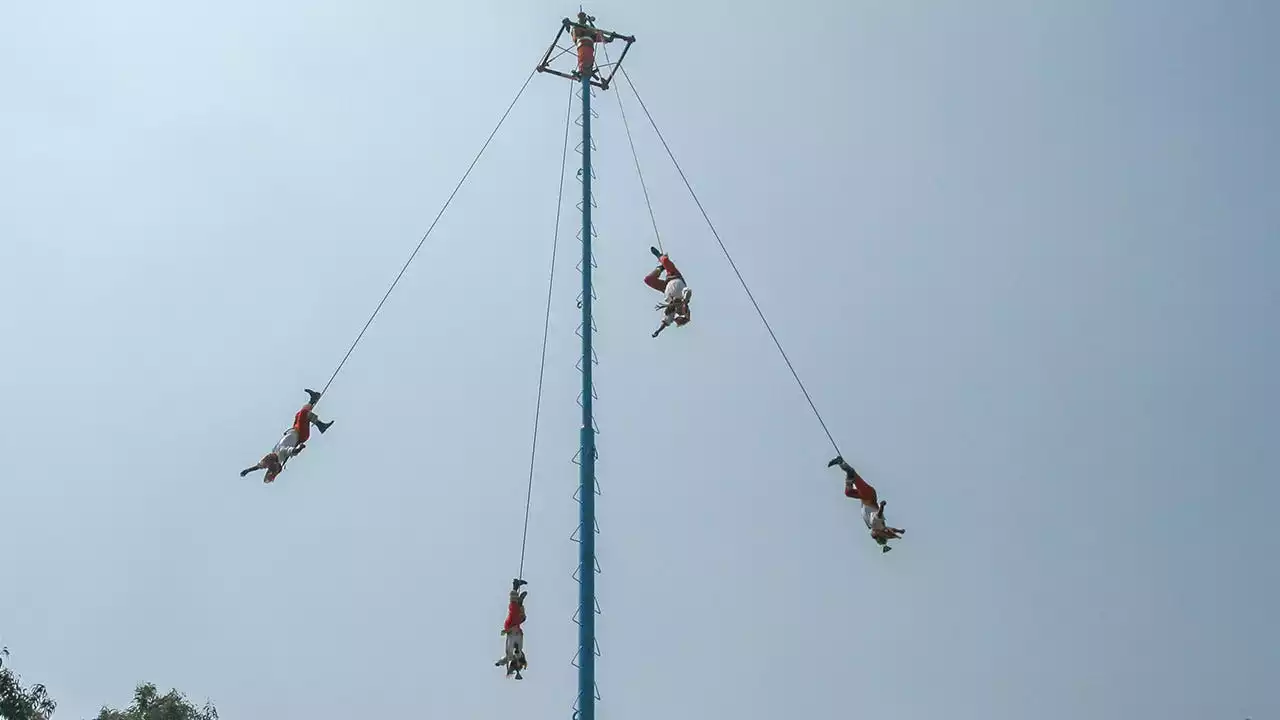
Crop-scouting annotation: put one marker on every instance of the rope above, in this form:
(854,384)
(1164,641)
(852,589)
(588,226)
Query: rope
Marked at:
(546,329)
(427,234)
(732,264)
(636,157)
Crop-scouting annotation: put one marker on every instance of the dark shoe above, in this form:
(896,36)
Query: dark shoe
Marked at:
(655,251)
(315,396)
(322,426)
(835,461)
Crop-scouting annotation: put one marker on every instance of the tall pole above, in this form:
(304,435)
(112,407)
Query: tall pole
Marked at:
(585,36)
(587,449)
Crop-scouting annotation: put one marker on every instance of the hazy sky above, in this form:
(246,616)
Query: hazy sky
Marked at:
(1024,255)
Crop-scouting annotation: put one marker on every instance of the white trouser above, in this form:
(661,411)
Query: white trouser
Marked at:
(287,446)
(515,644)
(869,517)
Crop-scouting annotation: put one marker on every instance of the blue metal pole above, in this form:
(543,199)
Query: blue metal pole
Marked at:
(587,471)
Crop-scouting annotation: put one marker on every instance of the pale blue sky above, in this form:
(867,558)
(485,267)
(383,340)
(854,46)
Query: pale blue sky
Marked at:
(1023,254)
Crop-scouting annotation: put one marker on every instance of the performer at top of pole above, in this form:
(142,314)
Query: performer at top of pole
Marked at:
(585,36)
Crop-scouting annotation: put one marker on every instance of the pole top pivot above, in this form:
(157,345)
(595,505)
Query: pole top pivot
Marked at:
(582,38)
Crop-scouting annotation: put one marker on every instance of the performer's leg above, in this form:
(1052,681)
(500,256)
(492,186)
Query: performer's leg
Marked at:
(866,493)
(517,654)
(667,318)
(320,425)
(655,281)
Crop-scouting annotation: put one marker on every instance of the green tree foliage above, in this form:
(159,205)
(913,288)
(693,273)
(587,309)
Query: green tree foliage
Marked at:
(149,704)
(18,703)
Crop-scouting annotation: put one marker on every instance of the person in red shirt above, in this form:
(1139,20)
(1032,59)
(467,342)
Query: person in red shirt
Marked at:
(675,292)
(306,417)
(585,36)
(513,629)
(872,507)
(293,442)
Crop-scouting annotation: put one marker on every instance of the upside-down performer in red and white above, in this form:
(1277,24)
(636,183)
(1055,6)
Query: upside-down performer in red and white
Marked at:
(872,507)
(292,442)
(676,295)
(513,629)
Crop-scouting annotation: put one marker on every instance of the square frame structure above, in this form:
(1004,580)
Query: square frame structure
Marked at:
(599,78)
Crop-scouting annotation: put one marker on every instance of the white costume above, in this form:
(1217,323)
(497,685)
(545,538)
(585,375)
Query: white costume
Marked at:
(514,652)
(287,447)
(676,293)
(514,659)
(871,516)
(515,645)
(675,290)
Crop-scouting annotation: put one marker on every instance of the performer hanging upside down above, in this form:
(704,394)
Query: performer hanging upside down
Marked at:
(513,628)
(872,508)
(292,442)
(677,294)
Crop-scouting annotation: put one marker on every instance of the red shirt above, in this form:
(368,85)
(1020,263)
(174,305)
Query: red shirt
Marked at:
(515,616)
(302,423)
(670,267)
